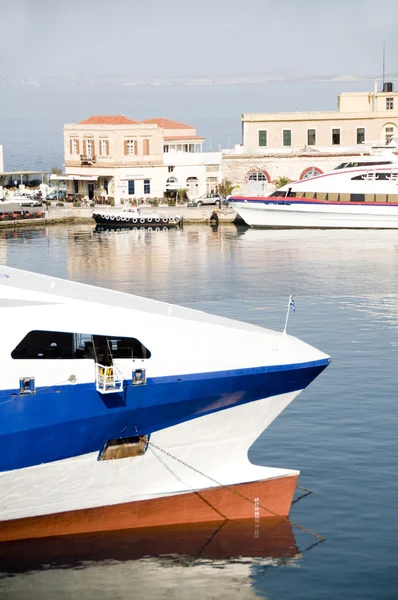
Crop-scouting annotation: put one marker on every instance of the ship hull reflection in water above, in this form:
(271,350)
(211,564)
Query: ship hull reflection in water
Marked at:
(269,538)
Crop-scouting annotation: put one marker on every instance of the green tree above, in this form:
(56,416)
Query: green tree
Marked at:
(281,181)
(56,171)
(226,188)
(182,194)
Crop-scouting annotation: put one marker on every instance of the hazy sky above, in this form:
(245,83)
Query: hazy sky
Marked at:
(183,38)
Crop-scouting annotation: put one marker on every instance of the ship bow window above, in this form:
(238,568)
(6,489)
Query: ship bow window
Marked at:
(56,344)
(357,197)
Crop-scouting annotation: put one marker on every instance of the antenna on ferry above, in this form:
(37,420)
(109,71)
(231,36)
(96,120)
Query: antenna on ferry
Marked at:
(384,62)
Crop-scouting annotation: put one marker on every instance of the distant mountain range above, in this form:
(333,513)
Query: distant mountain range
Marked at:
(99,80)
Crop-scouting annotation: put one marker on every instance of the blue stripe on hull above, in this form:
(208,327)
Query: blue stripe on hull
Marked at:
(65,421)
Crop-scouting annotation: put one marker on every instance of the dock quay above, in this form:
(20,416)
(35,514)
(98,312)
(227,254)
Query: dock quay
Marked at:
(56,215)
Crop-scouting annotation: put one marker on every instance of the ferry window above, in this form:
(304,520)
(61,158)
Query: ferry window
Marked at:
(287,137)
(277,194)
(369,197)
(131,187)
(360,135)
(381,198)
(262,138)
(333,197)
(335,137)
(311,137)
(357,198)
(389,103)
(62,345)
(344,197)
(341,166)
(321,196)
(309,195)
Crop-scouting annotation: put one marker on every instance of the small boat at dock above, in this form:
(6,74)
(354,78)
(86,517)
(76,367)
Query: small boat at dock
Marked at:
(131,216)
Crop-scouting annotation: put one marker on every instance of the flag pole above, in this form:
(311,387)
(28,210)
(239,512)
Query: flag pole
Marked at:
(287,314)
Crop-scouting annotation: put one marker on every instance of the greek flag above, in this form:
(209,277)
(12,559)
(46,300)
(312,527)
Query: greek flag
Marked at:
(291,304)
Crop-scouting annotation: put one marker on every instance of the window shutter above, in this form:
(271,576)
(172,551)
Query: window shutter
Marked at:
(78,146)
(92,148)
(125,147)
(146,147)
(70,145)
(107,147)
(85,147)
(135,147)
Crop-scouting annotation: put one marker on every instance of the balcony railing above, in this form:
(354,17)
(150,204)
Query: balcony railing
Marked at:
(87,159)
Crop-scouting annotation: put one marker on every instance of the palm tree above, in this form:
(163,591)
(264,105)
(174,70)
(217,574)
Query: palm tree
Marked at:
(226,188)
(281,181)
(182,194)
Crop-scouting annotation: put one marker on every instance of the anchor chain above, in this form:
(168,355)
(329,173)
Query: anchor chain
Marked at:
(233,491)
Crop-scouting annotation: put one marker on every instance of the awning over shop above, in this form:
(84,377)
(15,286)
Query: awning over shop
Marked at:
(74,177)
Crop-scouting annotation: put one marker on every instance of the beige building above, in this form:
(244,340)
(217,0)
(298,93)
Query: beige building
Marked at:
(361,117)
(119,158)
(302,144)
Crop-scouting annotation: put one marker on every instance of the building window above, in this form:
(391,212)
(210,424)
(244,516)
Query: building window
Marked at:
(145,147)
(104,147)
(192,147)
(74,146)
(130,147)
(89,147)
(336,137)
(131,187)
(389,132)
(170,169)
(76,186)
(166,148)
(287,137)
(257,176)
(311,137)
(147,186)
(262,138)
(360,135)
(389,103)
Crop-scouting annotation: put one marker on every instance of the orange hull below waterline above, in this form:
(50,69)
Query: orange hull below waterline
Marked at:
(259,499)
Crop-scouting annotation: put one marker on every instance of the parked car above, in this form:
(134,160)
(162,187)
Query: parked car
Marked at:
(209,199)
(56,195)
(30,202)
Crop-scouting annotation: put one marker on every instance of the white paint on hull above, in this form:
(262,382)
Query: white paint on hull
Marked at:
(318,215)
(216,445)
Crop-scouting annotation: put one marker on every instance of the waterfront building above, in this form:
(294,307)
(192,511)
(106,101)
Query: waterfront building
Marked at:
(118,158)
(301,144)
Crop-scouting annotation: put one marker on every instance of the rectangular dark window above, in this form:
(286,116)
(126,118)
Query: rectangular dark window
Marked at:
(357,198)
(131,185)
(360,135)
(166,148)
(262,138)
(170,169)
(311,137)
(287,137)
(336,137)
(147,186)
(76,186)
(389,103)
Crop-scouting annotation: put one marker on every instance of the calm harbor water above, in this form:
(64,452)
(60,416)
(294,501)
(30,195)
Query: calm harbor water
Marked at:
(341,432)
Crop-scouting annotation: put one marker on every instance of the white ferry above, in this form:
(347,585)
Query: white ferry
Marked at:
(358,194)
(120,412)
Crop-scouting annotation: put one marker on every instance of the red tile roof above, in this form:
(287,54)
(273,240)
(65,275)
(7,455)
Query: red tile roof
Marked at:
(108,120)
(168,124)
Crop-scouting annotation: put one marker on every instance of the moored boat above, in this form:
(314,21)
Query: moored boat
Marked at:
(130,216)
(117,412)
(355,195)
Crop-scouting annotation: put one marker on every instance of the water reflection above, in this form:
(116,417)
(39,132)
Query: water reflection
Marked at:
(208,560)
